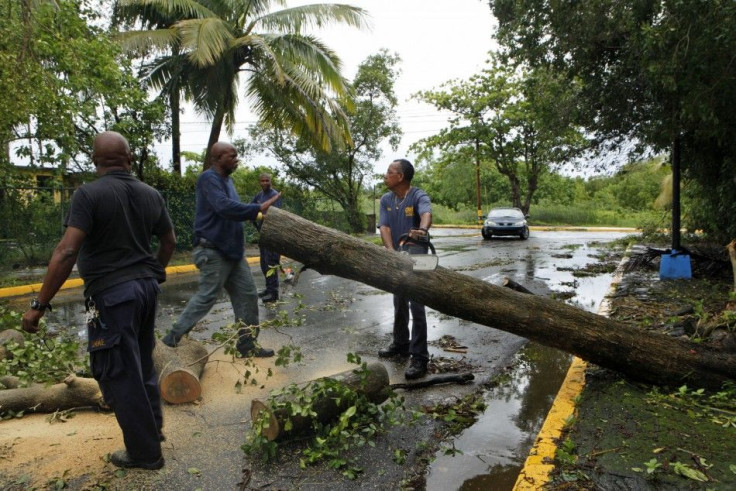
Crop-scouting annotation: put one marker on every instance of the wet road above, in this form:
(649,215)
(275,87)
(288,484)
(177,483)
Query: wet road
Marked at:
(329,316)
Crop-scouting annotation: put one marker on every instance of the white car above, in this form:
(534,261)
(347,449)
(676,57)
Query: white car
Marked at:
(505,221)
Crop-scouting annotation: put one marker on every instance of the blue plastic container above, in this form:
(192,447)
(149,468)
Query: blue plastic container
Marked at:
(675,266)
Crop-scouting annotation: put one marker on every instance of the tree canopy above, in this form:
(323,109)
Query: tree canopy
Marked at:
(517,120)
(292,80)
(653,71)
(62,82)
(341,173)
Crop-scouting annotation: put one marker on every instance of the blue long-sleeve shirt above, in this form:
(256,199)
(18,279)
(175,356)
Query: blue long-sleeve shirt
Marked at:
(220,213)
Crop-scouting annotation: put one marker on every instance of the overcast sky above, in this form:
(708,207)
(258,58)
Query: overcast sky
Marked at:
(437,40)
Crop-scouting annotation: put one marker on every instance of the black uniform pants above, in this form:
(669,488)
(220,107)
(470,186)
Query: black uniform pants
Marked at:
(121,343)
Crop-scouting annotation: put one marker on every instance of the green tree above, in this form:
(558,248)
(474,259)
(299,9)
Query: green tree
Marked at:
(341,173)
(64,83)
(165,72)
(652,71)
(292,80)
(513,120)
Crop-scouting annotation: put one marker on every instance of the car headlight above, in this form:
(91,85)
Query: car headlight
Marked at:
(520,224)
(490,223)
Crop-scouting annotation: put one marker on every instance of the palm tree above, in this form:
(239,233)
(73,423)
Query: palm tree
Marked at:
(164,73)
(291,79)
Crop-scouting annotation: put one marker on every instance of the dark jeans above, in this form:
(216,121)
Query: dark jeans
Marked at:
(269,259)
(121,344)
(402,305)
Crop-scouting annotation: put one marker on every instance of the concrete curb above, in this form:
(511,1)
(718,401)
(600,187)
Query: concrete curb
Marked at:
(539,464)
(16,291)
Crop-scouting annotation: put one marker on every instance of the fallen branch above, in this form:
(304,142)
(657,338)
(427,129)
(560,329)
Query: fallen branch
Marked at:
(449,378)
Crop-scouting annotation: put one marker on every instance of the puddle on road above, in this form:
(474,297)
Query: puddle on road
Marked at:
(490,454)
(493,450)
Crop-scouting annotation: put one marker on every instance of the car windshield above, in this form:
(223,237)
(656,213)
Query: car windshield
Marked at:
(505,213)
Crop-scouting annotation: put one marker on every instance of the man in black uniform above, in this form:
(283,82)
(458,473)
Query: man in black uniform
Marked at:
(108,234)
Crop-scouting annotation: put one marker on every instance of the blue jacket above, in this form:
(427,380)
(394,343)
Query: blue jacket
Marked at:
(220,213)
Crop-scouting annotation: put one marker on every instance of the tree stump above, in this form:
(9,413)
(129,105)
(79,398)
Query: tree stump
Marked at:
(72,393)
(375,387)
(179,370)
(8,336)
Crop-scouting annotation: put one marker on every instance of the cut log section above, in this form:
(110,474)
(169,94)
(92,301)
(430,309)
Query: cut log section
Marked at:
(179,370)
(652,358)
(72,393)
(375,386)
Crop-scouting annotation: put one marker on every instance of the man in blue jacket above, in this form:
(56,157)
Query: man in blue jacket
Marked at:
(219,252)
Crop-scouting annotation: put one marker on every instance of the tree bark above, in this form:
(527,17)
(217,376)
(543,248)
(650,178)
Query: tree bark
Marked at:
(179,370)
(731,247)
(72,392)
(375,387)
(651,358)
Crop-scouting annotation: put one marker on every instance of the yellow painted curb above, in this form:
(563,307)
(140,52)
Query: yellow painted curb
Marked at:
(540,461)
(16,291)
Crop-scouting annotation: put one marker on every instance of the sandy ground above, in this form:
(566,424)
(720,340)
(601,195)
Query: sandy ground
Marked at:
(34,452)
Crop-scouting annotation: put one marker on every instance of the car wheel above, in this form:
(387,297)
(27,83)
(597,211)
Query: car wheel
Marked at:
(486,235)
(524,233)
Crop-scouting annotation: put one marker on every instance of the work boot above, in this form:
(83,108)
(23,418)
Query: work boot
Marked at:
(270,297)
(262,293)
(394,350)
(417,369)
(256,352)
(122,459)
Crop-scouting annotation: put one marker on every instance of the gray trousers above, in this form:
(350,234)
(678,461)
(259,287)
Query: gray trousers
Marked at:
(215,273)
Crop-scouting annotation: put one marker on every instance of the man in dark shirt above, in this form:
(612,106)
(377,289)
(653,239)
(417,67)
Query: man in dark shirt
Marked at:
(219,252)
(270,260)
(108,234)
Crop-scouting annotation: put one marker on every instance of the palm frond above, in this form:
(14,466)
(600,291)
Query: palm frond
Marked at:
(297,19)
(206,40)
(180,9)
(142,42)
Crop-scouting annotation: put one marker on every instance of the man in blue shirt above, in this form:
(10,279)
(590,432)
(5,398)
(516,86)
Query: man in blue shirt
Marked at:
(270,260)
(406,210)
(219,250)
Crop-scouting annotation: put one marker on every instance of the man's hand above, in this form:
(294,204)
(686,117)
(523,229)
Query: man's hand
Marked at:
(418,234)
(30,320)
(267,204)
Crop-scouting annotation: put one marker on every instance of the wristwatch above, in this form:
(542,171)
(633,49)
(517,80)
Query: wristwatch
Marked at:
(36,305)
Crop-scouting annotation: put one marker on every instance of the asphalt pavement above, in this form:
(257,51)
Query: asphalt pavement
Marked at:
(329,317)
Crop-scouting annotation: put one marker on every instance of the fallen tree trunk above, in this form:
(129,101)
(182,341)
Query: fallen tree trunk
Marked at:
(652,358)
(179,370)
(73,392)
(282,424)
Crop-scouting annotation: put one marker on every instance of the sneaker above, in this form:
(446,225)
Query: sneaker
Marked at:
(257,352)
(270,297)
(394,350)
(417,369)
(122,459)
